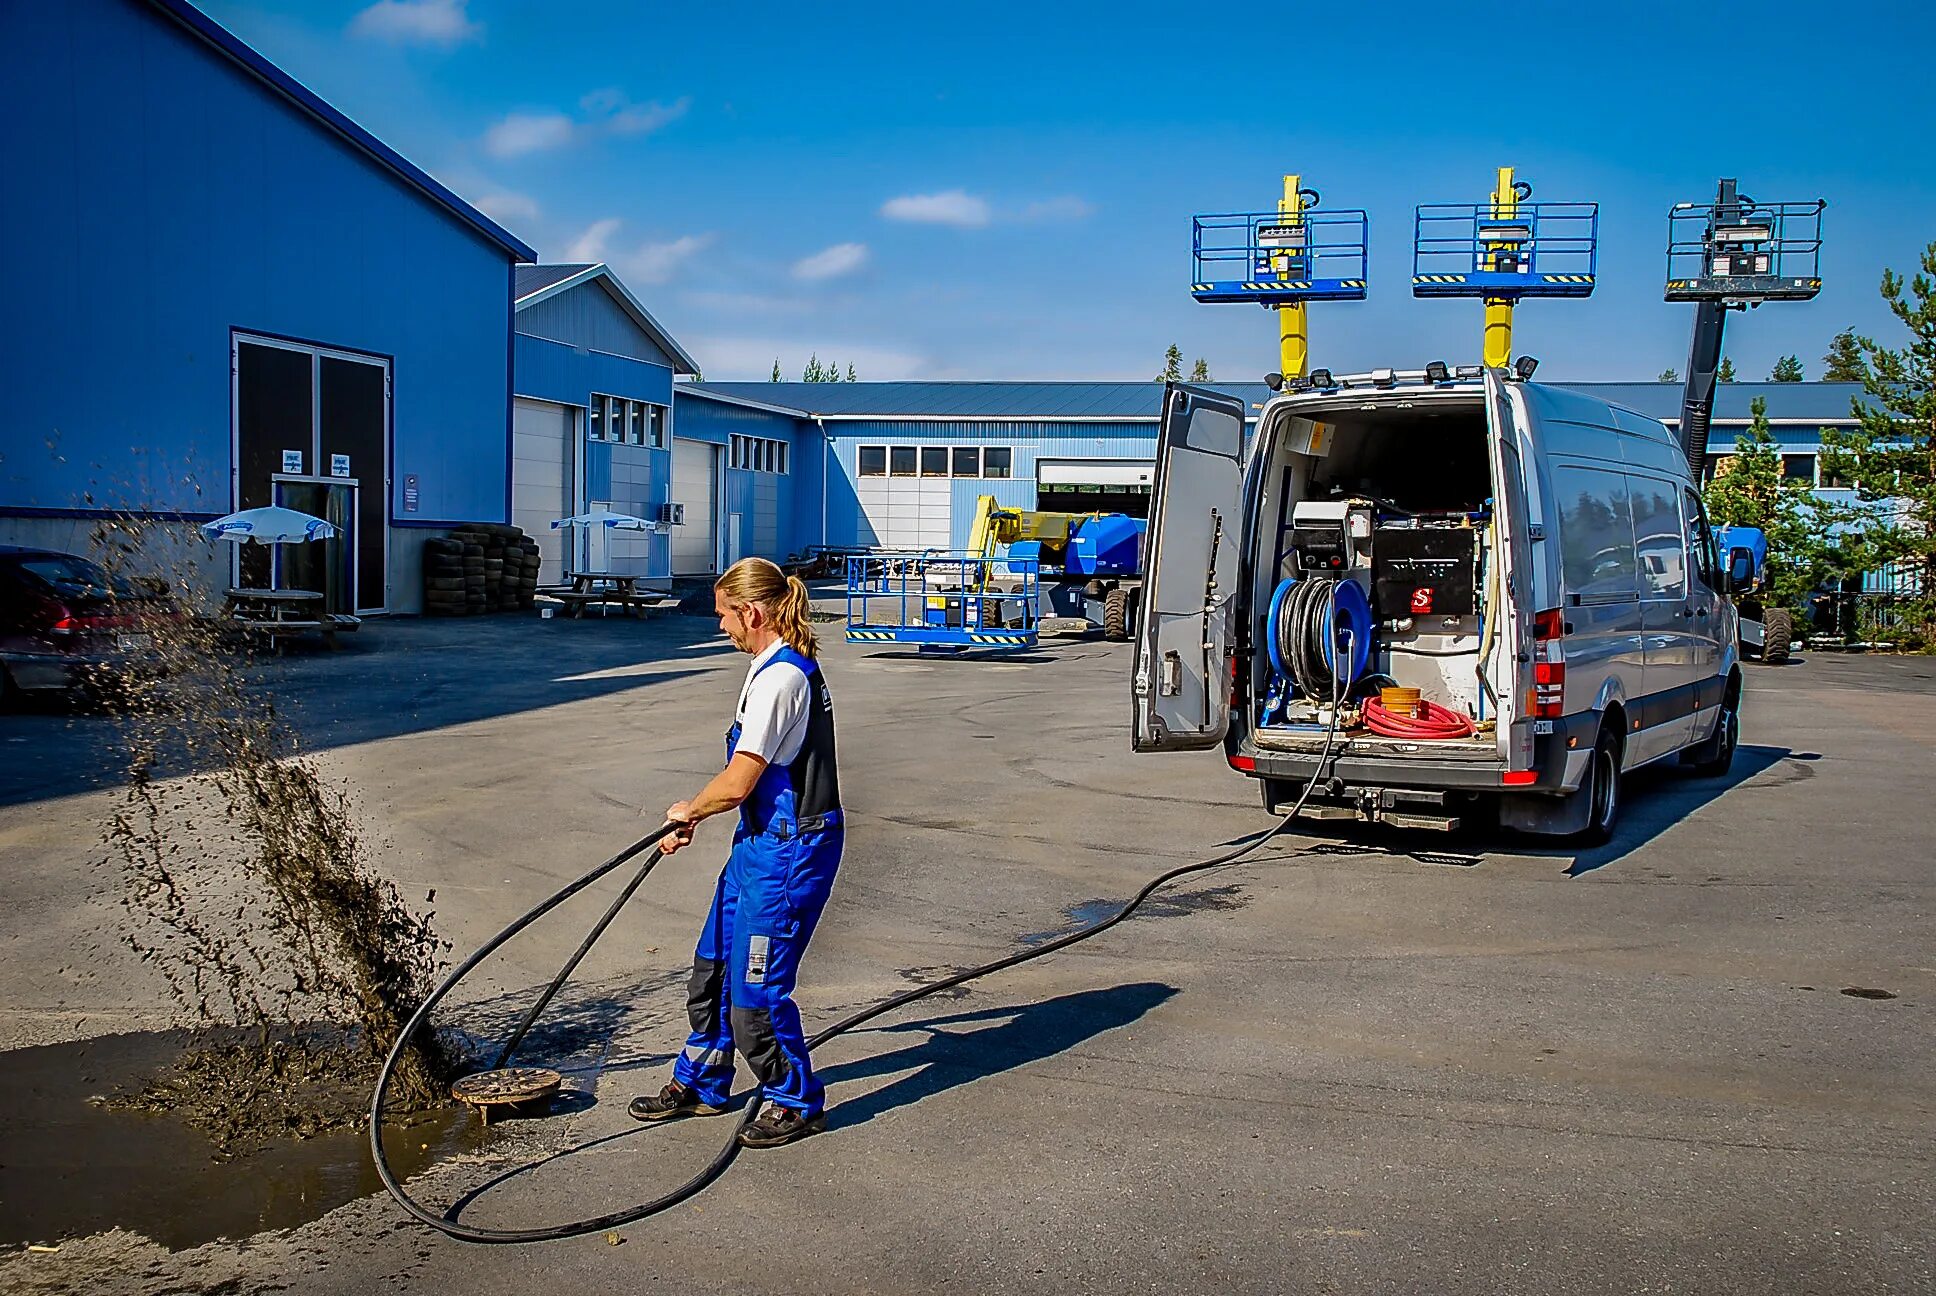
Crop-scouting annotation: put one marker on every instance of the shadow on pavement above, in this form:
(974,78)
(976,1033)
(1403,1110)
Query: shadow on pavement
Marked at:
(394,677)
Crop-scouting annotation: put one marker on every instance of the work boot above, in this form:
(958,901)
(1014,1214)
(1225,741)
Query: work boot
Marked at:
(777,1125)
(673,1100)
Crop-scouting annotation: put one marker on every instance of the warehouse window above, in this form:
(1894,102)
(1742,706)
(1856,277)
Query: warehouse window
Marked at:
(934,461)
(595,422)
(967,461)
(658,429)
(757,454)
(872,461)
(626,422)
(995,461)
(901,461)
(1798,468)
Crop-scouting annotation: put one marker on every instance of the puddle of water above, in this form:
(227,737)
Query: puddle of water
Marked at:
(1090,912)
(73,1166)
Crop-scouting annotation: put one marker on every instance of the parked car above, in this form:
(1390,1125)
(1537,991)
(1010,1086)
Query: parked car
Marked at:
(65,624)
(1534,564)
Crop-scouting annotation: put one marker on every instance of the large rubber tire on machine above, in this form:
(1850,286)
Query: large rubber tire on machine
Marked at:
(1115,616)
(1777,632)
(1602,790)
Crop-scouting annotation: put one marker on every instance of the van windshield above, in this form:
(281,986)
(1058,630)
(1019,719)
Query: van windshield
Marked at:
(74,578)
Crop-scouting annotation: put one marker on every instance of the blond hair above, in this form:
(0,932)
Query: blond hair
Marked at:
(760,583)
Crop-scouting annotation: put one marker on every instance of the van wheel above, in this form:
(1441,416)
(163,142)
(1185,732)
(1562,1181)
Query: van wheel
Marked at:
(1115,616)
(1716,754)
(1777,632)
(1602,791)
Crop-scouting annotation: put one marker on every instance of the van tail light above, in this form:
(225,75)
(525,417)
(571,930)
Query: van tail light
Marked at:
(1549,665)
(1246,764)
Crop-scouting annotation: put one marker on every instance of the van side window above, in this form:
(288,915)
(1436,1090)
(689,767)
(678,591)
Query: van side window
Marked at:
(1701,541)
(1660,544)
(1596,534)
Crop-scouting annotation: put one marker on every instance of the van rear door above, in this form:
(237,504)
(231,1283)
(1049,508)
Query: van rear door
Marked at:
(1511,518)
(1181,682)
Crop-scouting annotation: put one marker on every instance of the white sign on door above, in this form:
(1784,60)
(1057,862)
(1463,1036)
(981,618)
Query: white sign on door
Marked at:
(339,465)
(292,461)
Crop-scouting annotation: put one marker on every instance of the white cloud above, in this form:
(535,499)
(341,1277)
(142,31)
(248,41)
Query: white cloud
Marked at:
(831,263)
(654,263)
(954,207)
(419,22)
(508,206)
(522,133)
(590,246)
(1066,208)
(621,116)
(751,358)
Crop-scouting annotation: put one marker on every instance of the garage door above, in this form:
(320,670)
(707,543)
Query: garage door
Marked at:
(906,512)
(541,478)
(695,484)
(1094,486)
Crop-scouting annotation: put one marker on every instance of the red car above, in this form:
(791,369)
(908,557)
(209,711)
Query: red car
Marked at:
(65,624)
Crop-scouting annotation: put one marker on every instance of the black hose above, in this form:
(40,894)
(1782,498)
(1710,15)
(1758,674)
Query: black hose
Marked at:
(724,1158)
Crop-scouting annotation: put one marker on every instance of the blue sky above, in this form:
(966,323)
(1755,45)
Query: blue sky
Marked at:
(1005,191)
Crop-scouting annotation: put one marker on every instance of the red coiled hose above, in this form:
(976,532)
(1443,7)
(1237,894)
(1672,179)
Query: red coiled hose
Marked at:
(1437,723)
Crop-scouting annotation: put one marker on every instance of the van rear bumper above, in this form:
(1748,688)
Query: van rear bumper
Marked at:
(1345,771)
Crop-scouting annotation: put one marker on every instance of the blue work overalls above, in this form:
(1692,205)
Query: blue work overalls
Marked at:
(786,849)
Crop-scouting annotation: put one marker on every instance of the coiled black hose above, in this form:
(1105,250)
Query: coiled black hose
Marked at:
(717,1166)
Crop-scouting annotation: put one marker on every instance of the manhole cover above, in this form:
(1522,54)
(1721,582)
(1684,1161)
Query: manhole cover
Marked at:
(508,1087)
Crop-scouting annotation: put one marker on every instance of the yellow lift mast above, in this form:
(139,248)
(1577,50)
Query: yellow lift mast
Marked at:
(1497,348)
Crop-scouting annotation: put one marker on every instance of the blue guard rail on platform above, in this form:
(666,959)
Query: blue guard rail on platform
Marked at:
(942,601)
(1277,260)
(1540,250)
(1748,252)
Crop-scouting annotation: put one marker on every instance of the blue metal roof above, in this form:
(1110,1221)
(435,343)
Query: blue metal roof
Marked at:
(307,101)
(1814,402)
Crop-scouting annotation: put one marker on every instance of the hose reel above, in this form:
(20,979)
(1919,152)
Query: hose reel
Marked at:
(1318,634)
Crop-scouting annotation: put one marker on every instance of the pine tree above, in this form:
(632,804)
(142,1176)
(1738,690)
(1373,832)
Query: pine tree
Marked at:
(1750,489)
(1787,369)
(1201,371)
(776,370)
(1668,376)
(1172,365)
(812,372)
(1726,371)
(851,375)
(1844,362)
(1890,457)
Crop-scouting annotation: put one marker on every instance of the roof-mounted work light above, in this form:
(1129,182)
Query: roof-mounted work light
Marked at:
(1322,378)
(1524,367)
(1436,372)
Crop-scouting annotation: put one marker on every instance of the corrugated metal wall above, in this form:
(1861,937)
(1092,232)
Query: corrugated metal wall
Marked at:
(846,524)
(587,316)
(763,505)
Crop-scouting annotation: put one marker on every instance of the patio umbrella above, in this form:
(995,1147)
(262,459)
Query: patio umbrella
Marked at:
(274,525)
(605,518)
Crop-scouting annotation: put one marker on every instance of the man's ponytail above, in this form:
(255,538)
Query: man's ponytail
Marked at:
(784,599)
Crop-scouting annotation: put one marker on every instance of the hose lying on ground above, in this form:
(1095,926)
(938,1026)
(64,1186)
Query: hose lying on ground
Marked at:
(717,1166)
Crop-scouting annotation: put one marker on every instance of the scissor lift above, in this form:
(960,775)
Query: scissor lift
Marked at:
(943,602)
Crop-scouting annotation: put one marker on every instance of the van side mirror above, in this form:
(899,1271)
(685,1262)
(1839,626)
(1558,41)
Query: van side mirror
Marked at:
(1741,572)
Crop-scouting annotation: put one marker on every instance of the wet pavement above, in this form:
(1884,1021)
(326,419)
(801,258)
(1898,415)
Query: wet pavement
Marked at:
(1700,1059)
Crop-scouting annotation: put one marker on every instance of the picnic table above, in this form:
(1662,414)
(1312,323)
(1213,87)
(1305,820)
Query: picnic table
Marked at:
(581,589)
(275,614)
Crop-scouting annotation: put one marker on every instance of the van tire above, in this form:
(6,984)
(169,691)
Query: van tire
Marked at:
(1602,787)
(1115,616)
(1715,754)
(1777,632)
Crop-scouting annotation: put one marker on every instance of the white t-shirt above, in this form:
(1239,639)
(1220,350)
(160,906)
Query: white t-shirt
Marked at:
(773,709)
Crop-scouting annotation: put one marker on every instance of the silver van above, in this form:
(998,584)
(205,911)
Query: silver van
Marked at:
(1408,593)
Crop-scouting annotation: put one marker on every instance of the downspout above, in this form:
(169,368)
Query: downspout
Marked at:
(826,475)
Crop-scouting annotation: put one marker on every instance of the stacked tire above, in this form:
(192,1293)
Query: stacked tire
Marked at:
(443,576)
(482,567)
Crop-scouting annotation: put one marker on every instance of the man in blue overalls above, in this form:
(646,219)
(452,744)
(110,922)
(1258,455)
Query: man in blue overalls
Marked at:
(780,775)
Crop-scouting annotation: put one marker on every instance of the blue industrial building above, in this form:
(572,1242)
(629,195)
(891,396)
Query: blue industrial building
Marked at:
(229,294)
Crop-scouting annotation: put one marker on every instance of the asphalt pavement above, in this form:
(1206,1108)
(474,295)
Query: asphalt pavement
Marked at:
(1356,1063)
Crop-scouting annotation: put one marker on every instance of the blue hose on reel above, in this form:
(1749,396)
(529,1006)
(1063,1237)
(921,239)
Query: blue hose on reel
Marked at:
(1303,651)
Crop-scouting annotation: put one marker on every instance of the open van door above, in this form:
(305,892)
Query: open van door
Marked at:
(1510,515)
(1181,684)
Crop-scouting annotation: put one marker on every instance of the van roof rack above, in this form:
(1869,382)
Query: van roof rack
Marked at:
(1436,374)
